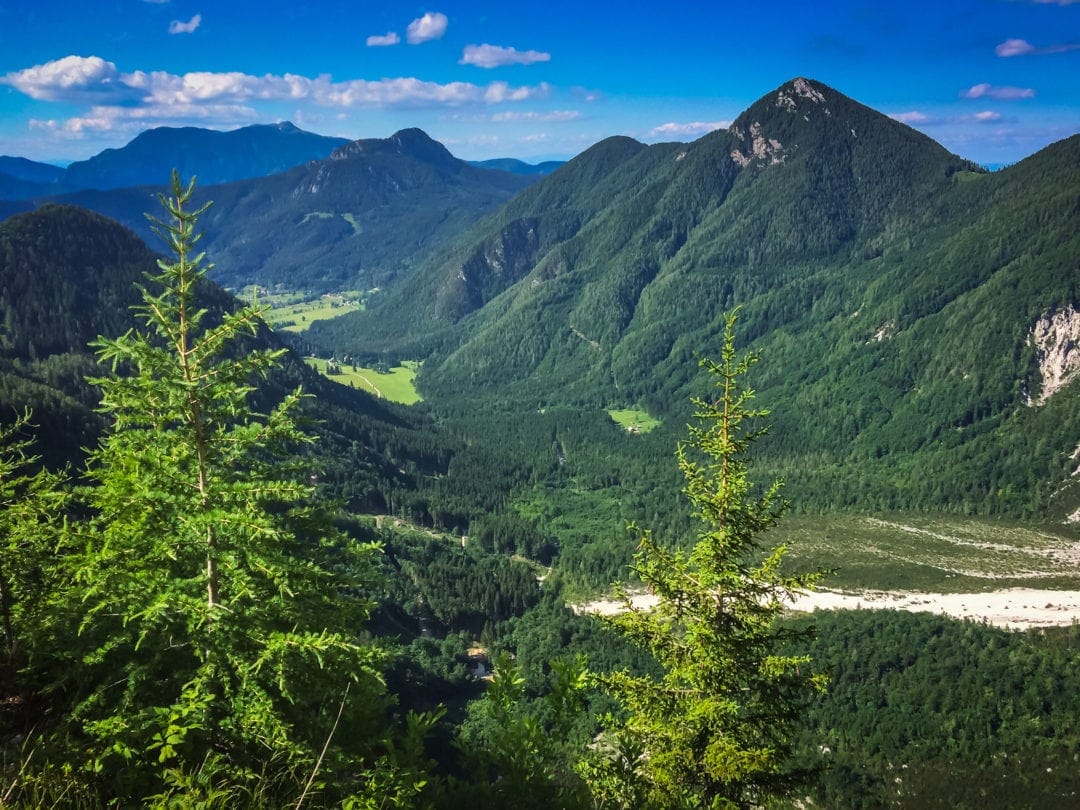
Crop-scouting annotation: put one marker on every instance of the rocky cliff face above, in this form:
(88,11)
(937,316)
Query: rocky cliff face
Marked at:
(1056,338)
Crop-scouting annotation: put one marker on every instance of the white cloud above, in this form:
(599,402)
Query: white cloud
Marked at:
(1006,93)
(105,119)
(916,118)
(377,41)
(498,92)
(109,100)
(586,95)
(911,117)
(1021,47)
(491,56)
(1014,47)
(553,116)
(177,27)
(424,29)
(674,129)
(92,80)
(86,79)
(484,140)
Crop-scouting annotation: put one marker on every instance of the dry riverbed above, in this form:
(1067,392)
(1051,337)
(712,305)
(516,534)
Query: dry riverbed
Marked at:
(1015,608)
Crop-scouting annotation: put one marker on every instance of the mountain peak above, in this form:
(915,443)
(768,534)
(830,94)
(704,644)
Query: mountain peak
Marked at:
(800,97)
(413,142)
(804,116)
(419,144)
(797,88)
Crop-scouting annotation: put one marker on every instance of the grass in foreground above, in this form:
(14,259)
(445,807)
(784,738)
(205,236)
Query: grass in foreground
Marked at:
(397,385)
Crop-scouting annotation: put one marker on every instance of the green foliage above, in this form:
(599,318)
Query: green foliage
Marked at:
(923,711)
(522,754)
(215,614)
(717,728)
(462,588)
(31,513)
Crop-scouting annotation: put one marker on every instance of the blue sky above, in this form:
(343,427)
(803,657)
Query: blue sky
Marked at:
(993,80)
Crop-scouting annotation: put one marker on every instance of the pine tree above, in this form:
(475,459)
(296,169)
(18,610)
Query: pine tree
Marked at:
(31,519)
(716,730)
(223,613)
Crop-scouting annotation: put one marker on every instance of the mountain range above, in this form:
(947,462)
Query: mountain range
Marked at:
(216,157)
(149,158)
(353,220)
(911,306)
(519,166)
(917,313)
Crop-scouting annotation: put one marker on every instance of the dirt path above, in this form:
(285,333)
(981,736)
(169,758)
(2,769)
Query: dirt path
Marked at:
(374,387)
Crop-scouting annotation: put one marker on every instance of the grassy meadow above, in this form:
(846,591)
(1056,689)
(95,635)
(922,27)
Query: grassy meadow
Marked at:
(633,420)
(296,311)
(397,384)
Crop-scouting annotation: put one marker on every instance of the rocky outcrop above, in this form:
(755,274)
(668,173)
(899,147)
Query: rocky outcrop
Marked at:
(1056,338)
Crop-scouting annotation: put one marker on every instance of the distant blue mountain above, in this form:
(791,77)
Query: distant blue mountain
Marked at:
(215,157)
(354,220)
(30,170)
(21,179)
(515,166)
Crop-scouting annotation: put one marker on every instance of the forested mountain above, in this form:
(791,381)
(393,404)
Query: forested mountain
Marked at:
(216,157)
(896,290)
(14,188)
(67,275)
(355,220)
